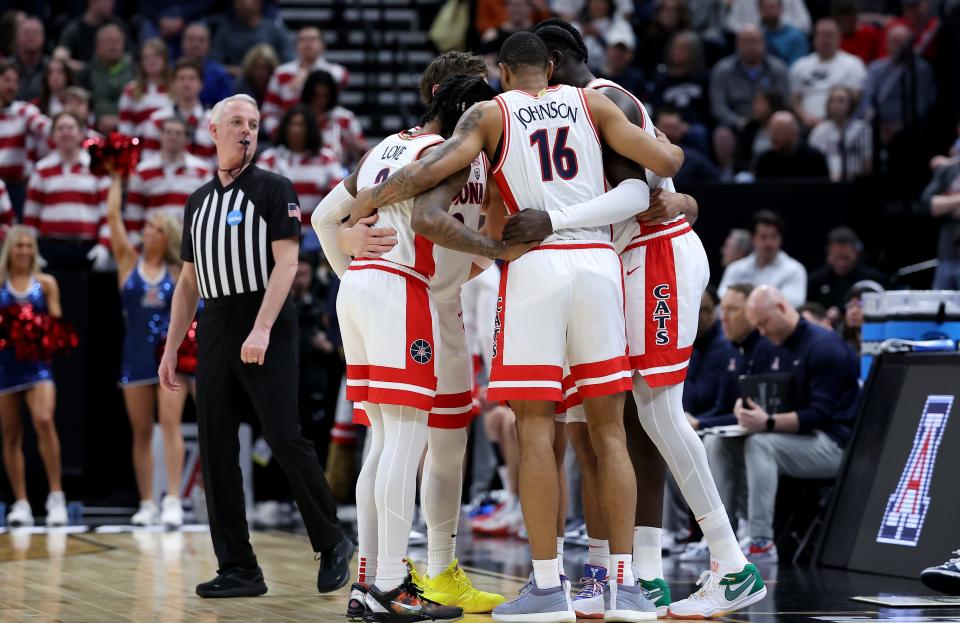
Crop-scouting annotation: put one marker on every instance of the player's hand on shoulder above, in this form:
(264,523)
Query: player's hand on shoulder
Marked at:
(526,226)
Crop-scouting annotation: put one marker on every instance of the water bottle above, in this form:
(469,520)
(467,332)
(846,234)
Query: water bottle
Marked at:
(75,513)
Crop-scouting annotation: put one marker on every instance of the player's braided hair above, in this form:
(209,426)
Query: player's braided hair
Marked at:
(456,94)
(561,35)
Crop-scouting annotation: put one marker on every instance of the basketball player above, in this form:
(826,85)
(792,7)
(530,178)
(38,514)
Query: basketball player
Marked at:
(556,161)
(662,302)
(448,423)
(385,302)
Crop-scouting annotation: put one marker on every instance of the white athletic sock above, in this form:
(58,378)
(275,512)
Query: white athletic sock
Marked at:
(545,573)
(391,571)
(599,552)
(404,439)
(366,569)
(720,538)
(440,491)
(367,517)
(560,556)
(647,554)
(441,548)
(621,569)
(504,475)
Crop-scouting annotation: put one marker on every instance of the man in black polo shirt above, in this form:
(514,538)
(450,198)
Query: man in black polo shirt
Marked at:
(241,234)
(805,443)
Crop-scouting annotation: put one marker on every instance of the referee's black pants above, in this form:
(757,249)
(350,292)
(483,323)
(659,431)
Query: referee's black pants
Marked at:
(228,391)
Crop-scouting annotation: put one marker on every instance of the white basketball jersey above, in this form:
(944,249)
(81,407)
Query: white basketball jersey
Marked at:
(391,154)
(626,230)
(453,267)
(550,156)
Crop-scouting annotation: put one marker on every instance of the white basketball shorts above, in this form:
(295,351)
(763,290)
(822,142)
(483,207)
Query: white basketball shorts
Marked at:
(665,274)
(562,302)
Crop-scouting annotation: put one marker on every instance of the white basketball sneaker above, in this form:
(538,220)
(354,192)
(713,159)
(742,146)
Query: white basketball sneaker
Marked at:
(20,515)
(56,509)
(722,590)
(147,515)
(172,514)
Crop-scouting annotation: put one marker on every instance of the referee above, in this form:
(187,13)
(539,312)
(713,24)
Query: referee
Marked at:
(240,247)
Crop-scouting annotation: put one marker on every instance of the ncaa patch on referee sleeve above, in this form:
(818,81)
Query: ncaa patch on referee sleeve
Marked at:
(293,211)
(421,351)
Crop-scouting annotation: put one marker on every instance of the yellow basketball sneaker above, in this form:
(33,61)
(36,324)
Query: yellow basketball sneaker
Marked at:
(453,588)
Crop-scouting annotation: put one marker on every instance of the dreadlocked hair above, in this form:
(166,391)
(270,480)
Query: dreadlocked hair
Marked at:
(561,35)
(455,95)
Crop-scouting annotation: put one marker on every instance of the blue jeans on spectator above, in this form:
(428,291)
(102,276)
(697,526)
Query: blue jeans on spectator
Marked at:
(947,276)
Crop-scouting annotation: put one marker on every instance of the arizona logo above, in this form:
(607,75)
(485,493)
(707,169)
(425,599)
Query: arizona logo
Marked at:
(420,351)
(661,313)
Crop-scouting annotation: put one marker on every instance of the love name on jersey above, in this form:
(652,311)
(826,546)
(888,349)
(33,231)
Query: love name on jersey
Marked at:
(472,192)
(393,152)
(662,313)
(546,110)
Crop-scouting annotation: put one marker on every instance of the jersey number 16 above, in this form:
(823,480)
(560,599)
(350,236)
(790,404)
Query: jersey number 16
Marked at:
(563,158)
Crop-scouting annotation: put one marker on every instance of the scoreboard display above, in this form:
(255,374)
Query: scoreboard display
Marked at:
(896,508)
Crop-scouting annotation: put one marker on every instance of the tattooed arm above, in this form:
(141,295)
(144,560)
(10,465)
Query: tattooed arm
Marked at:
(476,127)
(431,218)
(629,140)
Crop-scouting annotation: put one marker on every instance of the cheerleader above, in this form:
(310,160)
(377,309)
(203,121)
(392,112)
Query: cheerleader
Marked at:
(24,284)
(146,285)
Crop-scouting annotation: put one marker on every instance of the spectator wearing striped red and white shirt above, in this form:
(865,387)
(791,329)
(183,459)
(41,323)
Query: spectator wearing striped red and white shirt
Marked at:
(339,128)
(6,211)
(66,202)
(162,184)
(148,92)
(22,128)
(286,84)
(76,100)
(187,82)
(301,157)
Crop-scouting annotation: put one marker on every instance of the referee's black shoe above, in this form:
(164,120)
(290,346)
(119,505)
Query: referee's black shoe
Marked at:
(335,566)
(234,583)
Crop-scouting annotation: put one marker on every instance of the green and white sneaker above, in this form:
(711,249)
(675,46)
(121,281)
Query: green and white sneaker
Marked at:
(658,591)
(721,592)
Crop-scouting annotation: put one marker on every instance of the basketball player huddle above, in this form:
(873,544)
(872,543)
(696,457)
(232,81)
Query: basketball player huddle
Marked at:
(565,179)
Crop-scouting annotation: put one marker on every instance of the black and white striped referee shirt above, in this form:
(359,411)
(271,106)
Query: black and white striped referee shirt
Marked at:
(227,230)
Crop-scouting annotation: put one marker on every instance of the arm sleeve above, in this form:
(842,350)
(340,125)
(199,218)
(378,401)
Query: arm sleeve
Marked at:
(186,242)
(629,198)
(827,375)
(283,220)
(326,219)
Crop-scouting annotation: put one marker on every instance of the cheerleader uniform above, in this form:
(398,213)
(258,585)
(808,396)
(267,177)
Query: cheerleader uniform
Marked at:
(17,376)
(146,307)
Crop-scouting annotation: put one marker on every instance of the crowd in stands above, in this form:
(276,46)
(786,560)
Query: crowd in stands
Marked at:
(751,89)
